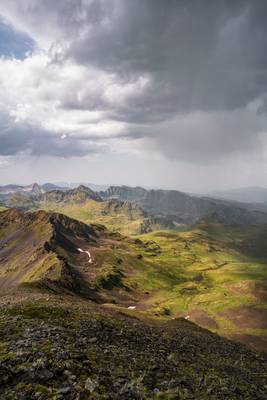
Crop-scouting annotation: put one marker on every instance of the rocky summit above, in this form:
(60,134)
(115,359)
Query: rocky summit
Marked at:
(55,348)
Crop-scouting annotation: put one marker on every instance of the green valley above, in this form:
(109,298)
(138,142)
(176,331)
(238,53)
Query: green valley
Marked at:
(208,275)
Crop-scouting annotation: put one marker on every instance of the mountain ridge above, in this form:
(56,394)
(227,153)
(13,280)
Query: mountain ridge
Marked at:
(39,248)
(157,208)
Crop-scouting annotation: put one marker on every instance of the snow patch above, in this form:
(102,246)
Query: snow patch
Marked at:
(88,253)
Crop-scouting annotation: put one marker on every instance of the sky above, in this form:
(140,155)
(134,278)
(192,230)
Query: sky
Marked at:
(169,94)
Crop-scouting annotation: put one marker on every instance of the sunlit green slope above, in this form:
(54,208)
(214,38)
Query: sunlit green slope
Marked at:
(213,275)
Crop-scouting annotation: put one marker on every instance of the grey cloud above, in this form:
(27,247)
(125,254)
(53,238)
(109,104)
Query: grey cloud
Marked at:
(207,138)
(204,56)
(21,137)
(201,55)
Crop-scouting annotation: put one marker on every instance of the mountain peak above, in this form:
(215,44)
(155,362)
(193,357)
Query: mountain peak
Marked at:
(81,194)
(84,188)
(36,188)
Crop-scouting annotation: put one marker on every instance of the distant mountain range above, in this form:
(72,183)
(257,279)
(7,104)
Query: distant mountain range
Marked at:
(34,188)
(188,209)
(46,187)
(164,207)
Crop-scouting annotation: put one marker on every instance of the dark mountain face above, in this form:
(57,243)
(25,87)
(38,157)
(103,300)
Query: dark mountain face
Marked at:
(183,208)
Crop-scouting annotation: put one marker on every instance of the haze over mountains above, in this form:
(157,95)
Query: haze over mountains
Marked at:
(249,194)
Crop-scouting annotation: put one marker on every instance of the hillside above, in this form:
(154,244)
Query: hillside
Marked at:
(212,274)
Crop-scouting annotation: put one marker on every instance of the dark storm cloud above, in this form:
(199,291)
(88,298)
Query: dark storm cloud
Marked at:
(201,55)
(209,138)
(204,62)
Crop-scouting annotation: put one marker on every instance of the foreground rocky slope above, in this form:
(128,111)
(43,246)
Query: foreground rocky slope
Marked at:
(67,349)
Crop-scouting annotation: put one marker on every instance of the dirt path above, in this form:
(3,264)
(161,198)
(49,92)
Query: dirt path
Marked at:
(247,317)
(256,342)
